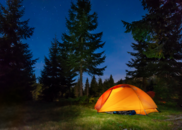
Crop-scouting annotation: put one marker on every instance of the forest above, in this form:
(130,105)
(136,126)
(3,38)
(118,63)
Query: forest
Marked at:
(156,59)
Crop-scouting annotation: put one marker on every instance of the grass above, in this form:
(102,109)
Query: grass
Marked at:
(50,116)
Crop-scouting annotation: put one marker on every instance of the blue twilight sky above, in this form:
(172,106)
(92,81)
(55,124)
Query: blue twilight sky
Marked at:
(48,18)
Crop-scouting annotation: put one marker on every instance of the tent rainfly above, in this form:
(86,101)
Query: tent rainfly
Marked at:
(126,97)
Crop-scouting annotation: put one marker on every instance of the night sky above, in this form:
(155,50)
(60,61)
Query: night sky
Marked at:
(48,19)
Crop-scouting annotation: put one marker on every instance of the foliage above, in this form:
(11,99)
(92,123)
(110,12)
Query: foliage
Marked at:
(93,99)
(80,43)
(119,82)
(93,87)
(52,75)
(111,81)
(68,73)
(16,64)
(100,88)
(87,87)
(161,27)
(163,88)
(161,30)
(150,86)
(106,84)
(144,66)
(37,92)
(74,101)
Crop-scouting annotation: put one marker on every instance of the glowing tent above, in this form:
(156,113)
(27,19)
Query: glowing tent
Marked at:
(125,97)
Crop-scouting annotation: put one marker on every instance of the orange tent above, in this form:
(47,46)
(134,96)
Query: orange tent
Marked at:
(125,97)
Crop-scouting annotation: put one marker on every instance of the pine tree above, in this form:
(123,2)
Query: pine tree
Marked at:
(106,84)
(119,82)
(100,88)
(166,24)
(93,87)
(16,64)
(159,27)
(87,87)
(111,81)
(68,71)
(144,66)
(51,76)
(81,43)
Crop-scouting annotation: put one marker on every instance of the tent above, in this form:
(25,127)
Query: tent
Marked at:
(125,97)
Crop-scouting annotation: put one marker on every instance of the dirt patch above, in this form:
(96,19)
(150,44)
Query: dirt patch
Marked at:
(177,121)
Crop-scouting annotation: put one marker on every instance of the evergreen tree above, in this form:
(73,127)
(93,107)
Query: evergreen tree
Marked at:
(34,78)
(81,43)
(119,82)
(87,87)
(106,85)
(68,71)
(100,88)
(16,64)
(51,76)
(143,65)
(93,87)
(161,28)
(111,81)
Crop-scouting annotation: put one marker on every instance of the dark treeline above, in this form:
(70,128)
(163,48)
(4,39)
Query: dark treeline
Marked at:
(158,51)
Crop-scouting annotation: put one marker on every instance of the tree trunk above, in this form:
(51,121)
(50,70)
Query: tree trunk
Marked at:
(80,80)
(81,88)
(87,91)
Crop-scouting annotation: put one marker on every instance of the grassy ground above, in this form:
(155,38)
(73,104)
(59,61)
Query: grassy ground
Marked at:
(49,116)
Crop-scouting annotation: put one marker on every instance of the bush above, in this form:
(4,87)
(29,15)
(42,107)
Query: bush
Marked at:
(83,100)
(74,101)
(93,99)
(36,93)
(165,88)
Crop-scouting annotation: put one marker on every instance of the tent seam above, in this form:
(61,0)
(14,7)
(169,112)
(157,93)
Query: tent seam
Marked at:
(139,99)
(107,98)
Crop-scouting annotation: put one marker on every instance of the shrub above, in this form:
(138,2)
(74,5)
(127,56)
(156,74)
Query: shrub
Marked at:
(93,99)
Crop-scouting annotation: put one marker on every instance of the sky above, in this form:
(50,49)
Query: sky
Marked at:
(48,19)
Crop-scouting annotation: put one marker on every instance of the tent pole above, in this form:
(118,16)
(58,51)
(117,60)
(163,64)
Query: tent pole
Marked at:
(145,112)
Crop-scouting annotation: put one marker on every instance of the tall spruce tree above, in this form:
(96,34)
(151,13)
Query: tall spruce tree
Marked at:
(81,43)
(16,64)
(68,71)
(51,76)
(144,66)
